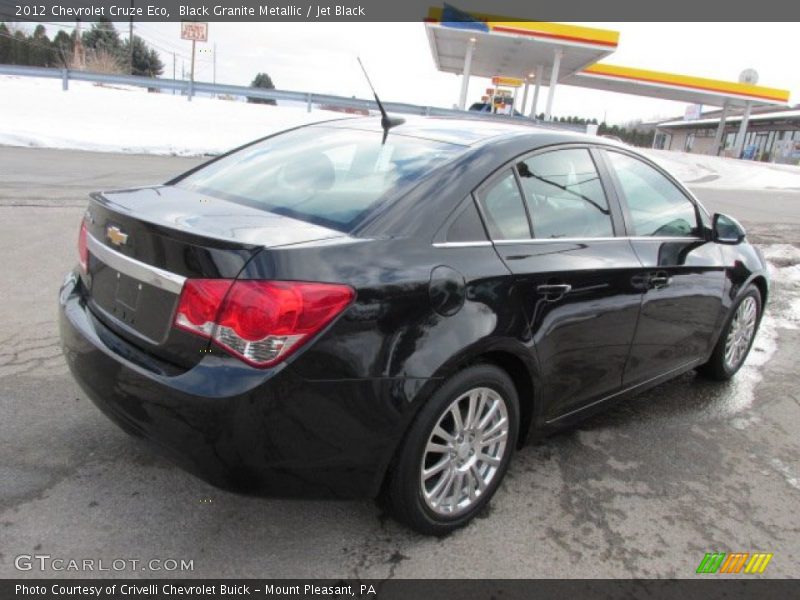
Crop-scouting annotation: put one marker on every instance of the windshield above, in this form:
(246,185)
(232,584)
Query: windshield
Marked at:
(329,176)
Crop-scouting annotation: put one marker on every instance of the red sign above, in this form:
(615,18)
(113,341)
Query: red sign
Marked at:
(196,32)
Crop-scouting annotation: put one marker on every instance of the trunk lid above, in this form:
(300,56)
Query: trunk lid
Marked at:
(144,243)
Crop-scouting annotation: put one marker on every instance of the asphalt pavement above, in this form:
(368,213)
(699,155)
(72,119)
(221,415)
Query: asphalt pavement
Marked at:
(643,490)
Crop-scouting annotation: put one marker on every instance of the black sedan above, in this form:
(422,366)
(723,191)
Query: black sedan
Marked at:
(324,313)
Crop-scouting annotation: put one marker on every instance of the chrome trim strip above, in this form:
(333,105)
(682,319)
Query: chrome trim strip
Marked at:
(644,238)
(557,240)
(481,244)
(165,280)
(597,239)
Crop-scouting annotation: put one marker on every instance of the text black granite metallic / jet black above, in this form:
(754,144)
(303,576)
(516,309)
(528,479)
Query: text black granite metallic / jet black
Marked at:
(320,313)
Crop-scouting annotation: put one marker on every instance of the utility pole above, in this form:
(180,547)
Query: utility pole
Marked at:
(215,66)
(191,74)
(173,71)
(130,42)
(78,53)
(193,31)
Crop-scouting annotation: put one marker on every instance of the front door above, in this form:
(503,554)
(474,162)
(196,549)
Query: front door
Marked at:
(682,270)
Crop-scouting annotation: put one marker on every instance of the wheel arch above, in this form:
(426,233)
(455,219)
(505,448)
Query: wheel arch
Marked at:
(519,363)
(524,384)
(514,359)
(763,288)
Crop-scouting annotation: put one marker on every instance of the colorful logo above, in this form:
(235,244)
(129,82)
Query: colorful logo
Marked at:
(734,562)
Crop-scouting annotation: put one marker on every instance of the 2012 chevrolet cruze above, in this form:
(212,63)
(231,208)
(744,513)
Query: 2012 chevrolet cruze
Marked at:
(320,312)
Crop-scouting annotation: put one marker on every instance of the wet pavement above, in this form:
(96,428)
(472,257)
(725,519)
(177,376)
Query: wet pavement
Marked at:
(645,489)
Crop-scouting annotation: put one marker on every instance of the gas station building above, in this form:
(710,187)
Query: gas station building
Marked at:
(551,54)
(773,134)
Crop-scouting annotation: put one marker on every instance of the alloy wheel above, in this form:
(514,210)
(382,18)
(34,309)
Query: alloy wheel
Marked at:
(464,451)
(740,333)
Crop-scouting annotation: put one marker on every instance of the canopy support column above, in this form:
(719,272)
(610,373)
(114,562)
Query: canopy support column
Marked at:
(742,131)
(537,85)
(524,98)
(553,83)
(462,101)
(720,129)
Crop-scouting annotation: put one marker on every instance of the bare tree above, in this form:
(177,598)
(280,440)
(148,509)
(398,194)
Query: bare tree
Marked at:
(104,61)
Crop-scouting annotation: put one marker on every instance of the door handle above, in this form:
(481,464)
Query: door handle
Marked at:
(554,291)
(659,281)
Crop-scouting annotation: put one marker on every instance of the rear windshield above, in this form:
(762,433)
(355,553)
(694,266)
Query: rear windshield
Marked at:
(329,176)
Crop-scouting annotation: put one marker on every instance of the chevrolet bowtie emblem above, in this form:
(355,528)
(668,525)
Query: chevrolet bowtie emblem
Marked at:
(115,235)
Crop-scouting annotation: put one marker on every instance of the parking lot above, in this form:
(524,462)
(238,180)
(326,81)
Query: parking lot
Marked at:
(644,490)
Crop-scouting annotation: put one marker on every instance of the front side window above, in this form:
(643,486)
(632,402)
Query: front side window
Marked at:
(329,176)
(565,195)
(657,207)
(503,209)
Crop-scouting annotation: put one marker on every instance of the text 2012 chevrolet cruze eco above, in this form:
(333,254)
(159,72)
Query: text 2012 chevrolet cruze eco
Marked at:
(321,313)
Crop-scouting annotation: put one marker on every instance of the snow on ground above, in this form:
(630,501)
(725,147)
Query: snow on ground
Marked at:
(36,112)
(699,170)
(783,312)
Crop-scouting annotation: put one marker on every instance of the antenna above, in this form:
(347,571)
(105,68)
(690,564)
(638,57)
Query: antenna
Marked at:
(387,122)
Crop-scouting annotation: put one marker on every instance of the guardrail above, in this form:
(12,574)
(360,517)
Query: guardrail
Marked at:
(189,89)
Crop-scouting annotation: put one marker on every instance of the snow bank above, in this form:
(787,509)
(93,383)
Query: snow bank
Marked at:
(37,113)
(698,171)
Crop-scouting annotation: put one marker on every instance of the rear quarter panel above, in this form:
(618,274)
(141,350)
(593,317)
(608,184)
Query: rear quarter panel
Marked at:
(392,330)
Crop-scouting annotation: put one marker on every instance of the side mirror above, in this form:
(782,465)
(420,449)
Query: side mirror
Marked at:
(726,230)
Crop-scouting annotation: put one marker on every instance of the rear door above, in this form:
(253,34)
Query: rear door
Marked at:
(555,225)
(682,270)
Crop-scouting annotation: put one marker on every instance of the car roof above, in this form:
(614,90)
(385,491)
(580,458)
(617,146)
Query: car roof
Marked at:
(464,131)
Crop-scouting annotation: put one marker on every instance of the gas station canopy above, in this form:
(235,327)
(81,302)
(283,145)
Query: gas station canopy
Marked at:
(515,49)
(670,86)
(552,53)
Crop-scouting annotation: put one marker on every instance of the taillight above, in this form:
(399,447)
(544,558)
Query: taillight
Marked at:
(260,322)
(83,249)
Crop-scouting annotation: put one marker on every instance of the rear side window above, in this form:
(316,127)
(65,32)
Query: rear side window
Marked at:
(333,177)
(503,209)
(656,205)
(466,226)
(565,195)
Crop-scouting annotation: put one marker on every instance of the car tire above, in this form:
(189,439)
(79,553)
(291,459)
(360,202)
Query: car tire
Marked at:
(736,338)
(445,473)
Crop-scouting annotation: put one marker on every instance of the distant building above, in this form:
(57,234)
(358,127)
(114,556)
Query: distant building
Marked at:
(773,134)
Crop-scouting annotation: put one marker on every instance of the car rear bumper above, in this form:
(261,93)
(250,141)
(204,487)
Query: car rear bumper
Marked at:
(258,431)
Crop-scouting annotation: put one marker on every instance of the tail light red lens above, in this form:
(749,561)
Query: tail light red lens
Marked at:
(83,249)
(260,322)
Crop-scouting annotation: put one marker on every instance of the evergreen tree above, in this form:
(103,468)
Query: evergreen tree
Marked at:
(62,48)
(263,81)
(146,61)
(5,44)
(102,36)
(20,52)
(40,53)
